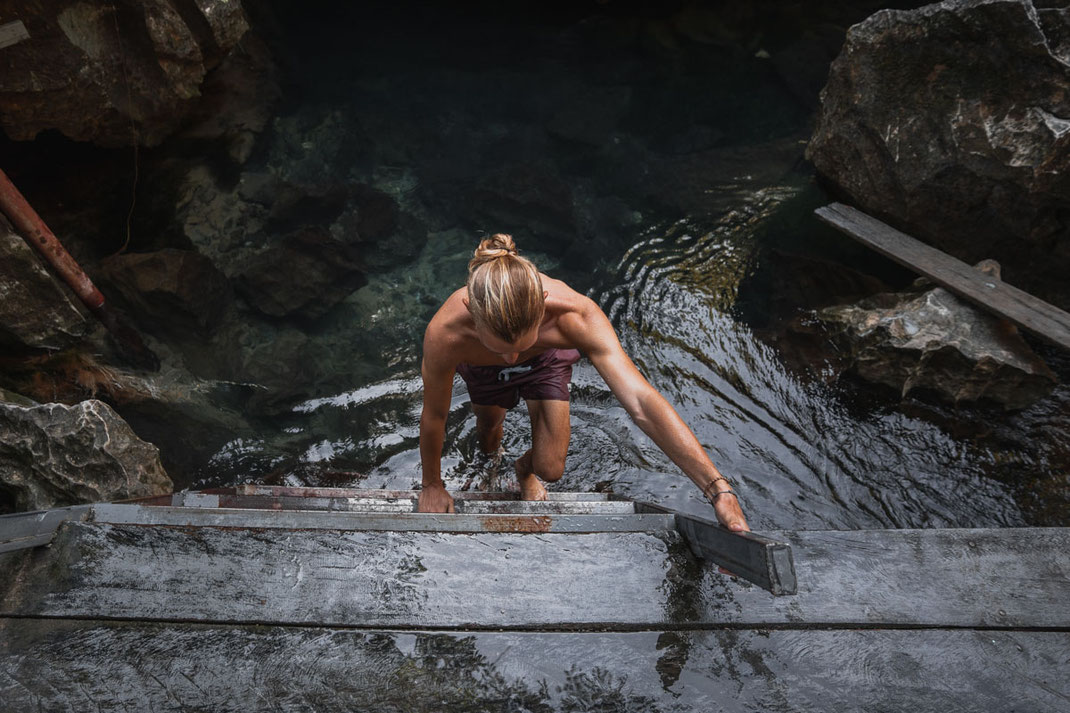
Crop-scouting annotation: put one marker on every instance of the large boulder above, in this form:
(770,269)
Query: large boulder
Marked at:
(952,121)
(114,73)
(936,342)
(36,311)
(52,455)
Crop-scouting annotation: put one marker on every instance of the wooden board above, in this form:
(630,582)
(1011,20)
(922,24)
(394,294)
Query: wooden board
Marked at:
(33,529)
(548,521)
(1021,308)
(1003,579)
(69,665)
(11,33)
(408,503)
(758,559)
(304,492)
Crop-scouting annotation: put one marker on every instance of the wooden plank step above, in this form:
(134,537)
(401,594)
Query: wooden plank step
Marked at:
(32,529)
(67,665)
(358,521)
(996,296)
(403,504)
(1008,578)
(301,492)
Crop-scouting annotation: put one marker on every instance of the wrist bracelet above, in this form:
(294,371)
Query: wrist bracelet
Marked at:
(705,490)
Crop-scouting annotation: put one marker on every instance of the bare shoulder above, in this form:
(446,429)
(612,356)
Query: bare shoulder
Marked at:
(446,333)
(578,317)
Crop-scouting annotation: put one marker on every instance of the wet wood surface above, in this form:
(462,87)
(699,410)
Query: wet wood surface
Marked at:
(88,666)
(1025,310)
(11,33)
(1011,578)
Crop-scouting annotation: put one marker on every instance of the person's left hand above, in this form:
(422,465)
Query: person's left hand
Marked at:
(730,514)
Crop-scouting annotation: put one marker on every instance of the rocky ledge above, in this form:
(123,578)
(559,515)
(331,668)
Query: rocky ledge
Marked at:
(52,455)
(933,341)
(952,121)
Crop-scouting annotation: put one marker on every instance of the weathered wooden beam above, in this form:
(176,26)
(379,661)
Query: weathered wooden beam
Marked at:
(11,33)
(757,559)
(1013,578)
(118,666)
(407,521)
(403,504)
(33,529)
(300,492)
(1021,308)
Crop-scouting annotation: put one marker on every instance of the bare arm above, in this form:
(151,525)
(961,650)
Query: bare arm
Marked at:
(594,335)
(438,388)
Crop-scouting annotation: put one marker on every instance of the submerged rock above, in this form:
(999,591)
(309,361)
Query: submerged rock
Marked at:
(306,275)
(112,73)
(36,311)
(953,121)
(937,342)
(168,291)
(52,455)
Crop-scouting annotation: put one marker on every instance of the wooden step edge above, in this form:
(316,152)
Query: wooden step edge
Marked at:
(403,522)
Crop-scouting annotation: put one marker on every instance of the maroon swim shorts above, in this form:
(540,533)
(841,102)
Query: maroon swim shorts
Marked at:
(544,378)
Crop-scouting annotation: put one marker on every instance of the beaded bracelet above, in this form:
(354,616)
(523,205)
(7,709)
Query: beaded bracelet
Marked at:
(705,490)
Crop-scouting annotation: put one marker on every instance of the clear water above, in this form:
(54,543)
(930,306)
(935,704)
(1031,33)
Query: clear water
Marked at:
(688,289)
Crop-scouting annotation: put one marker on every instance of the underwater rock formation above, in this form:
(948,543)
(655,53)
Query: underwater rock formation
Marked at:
(36,311)
(113,73)
(52,455)
(169,291)
(937,342)
(952,121)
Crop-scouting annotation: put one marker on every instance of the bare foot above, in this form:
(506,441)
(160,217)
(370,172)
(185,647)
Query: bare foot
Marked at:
(530,486)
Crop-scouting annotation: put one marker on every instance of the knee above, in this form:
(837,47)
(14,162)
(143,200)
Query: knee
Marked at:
(548,468)
(489,424)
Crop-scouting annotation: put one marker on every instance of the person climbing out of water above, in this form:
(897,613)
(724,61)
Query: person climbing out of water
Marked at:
(512,332)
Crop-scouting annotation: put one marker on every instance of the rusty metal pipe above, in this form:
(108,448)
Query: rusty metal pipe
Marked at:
(34,231)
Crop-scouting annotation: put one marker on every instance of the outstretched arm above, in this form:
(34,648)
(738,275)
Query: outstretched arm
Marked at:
(438,387)
(593,334)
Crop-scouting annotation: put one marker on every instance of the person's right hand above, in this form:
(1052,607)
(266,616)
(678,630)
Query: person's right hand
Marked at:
(434,498)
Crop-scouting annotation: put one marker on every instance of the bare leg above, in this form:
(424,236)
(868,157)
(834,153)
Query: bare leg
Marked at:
(545,460)
(489,420)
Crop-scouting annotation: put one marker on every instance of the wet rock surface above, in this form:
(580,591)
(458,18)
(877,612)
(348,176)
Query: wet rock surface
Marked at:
(953,122)
(36,311)
(53,455)
(115,74)
(937,342)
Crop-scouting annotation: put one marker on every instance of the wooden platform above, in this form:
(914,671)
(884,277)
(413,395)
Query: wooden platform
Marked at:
(1021,308)
(194,605)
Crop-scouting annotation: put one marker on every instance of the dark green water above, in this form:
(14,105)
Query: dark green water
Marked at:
(687,214)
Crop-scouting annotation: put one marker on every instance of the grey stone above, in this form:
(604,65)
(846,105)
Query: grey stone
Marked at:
(36,311)
(952,121)
(937,342)
(55,455)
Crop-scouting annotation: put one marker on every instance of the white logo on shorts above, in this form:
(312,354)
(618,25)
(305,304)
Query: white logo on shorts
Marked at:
(504,374)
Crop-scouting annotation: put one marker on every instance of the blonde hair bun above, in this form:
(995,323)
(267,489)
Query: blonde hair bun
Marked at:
(496,246)
(504,290)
